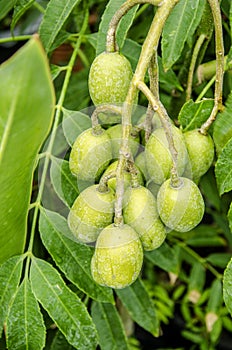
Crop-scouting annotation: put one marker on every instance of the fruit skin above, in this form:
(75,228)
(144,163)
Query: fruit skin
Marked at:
(201,153)
(90,155)
(158,156)
(182,208)
(118,257)
(127,176)
(90,213)
(115,134)
(109,78)
(140,212)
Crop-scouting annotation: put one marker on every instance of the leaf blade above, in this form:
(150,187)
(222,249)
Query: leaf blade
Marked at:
(223,169)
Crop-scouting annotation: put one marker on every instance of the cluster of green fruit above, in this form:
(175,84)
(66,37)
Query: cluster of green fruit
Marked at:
(151,204)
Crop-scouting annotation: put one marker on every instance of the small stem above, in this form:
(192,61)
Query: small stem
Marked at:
(39,7)
(103,184)
(195,54)
(215,7)
(15,38)
(111,45)
(103,109)
(133,172)
(206,88)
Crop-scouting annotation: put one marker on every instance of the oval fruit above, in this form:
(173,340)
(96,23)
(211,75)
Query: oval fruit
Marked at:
(91,212)
(140,212)
(90,155)
(158,155)
(180,208)
(118,257)
(109,78)
(201,153)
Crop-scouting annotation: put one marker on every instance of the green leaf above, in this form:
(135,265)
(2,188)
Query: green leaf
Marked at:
(193,114)
(56,14)
(222,130)
(73,258)
(165,257)
(136,300)
(10,274)
(5,7)
(230,217)
(109,327)
(223,169)
(64,183)
(197,277)
(74,123)
(125,23)
(227,287)
(215,297)
(62,305)
(179,27)
(219,259)
(59,342)
(25,327)
(24,124)
(20,8)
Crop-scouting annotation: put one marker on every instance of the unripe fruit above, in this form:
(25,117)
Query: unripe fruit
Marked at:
(201,152)
(127,176)
(158,155)
(140,212)
(141,164)
(91,212)
(109,78)
(180,208)
(115,134)
(90,155)
(118,257)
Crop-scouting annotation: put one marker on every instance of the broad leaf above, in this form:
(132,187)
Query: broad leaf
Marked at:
(193,114)
(20,8)
(227,287)
(139,305)
(10,274)
(74,123)
(5,7)
(56,14)
(73,258)
(109,327)
(223,169)
(165,257)
(64,183)
(111,8)
(25,327)
(230,217)
(179,27)
(27,104)
(62,305)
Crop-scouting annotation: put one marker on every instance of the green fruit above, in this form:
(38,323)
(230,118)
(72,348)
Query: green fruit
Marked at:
(140,162)
(140,212)
(201,153)
(115,134)
(91,212)
(109,78)
(127,176)
(118,257)
(158,156)
(180,208)
(90,155)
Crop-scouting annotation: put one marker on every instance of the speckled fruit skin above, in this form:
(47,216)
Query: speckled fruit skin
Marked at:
(115,134)
(109,78)
(127,176)
(90,213)
(180,209)
(90,155)
(140,212)
(118,257)
(201,152)
(158,156)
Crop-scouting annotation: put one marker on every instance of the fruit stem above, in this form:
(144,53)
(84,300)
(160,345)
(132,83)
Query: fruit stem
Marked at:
(103,109)
(111,45)
(215,7)
(133,172)
(103,184)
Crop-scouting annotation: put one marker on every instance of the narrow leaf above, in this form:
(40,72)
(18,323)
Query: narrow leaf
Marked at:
(73,258)
(59,342)
(5,7)
(193,114)
(109,327)
(25,327)
(178,28)
(64,183)
(74,123)
(111,8)
(139,305)
(165,257)
(10,274)
(24,124)
(227,287)
(55,16)
(230,217)
(223,169)
(20,8)
(62,305)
